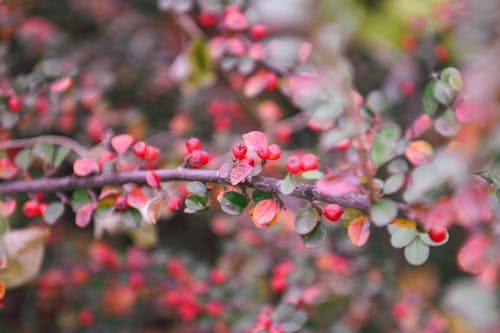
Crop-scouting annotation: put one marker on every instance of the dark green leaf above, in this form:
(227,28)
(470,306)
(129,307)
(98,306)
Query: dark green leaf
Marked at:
(61,153)
(233,203)
(315,238)
(429,101)
(79,198)
(259,195)
(195,203)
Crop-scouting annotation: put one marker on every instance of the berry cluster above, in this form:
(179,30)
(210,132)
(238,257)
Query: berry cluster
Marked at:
(142,150)
(295,164)
(197,157)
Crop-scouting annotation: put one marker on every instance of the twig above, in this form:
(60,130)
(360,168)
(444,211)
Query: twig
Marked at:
(267,184)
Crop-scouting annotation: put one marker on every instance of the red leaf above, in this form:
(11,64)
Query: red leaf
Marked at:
(7,168)
(419,126)
(136,198)
(359,231)
(239,173)
(61,84)
(121,143)
(471,257)
(472,205)
(84,166)
(265,213)
(84,215)
(7,207)
(153,179)
(255,140)
(336,183)
(153,209)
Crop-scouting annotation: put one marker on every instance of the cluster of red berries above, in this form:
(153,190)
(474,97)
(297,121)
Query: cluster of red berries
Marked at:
(295,164)
(197,157)
(142,150)
(271,152)
(32,208)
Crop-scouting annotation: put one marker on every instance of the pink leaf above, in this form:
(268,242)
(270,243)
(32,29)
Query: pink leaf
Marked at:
(419,152)
(121,143)
(359,231)
(84,166)
(153,179)
(255,140)
(7,168)
(239,173)
(337,182)
(84,215)
(7,207)
(136,198)
(61,84)
(471,257)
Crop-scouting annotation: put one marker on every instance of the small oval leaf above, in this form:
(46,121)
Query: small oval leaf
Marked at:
(53,212)
(265,213)
(287,184)
(316,238)
(402,237)
(383,212)
(417,252)
(394,183)
(306,220)
(84,166)
(233,203)
(359,231)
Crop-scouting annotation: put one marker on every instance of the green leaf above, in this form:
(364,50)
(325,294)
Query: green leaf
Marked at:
(402,237)
(53,212)
(447,125)
(287,185)
(394,183)
(132,218)
(200,61)
(312,174)
(316,238)
(385,143)
(197,188)
(349,215)
(79,198)
(259,195)
(443,93)
(417,252)
(452,76)
(306,220)
(195,203)
(23,159)
(61,153)
(383,212)
(233,203)
(429,101)
(44,151)
(4,225)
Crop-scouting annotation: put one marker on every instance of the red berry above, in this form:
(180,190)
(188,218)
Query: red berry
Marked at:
(207,19)
(272,81)
(309,162)
(121,203)
(85,317)
(15,103)
(248,160)
(437,234)
(174,203)
(198,158)
(274,152)
(258,31)
(41,105)
(193,144)
(332,212)
(293,164)
(239,150)
(151,153)
(31,208)
(139,149)
(105,157)
(343,144)
(263,153)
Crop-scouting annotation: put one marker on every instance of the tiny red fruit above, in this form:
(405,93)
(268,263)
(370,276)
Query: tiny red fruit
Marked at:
(207,19)
(332,212)
(15,103)
(258,31)
(198,158)
(272,81)
(309,162)
(437,234)
(263,153)
(139,149)
(193,144)
(174,203)
(151,153)
(31,208)
(121,203)
(293,164)
(85,317)
(239,150)
(274,152)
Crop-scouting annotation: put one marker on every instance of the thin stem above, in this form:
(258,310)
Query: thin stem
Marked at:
(267,184)
(54,139)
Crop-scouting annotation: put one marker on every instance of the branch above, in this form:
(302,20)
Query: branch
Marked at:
(54,139)
(303,191)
